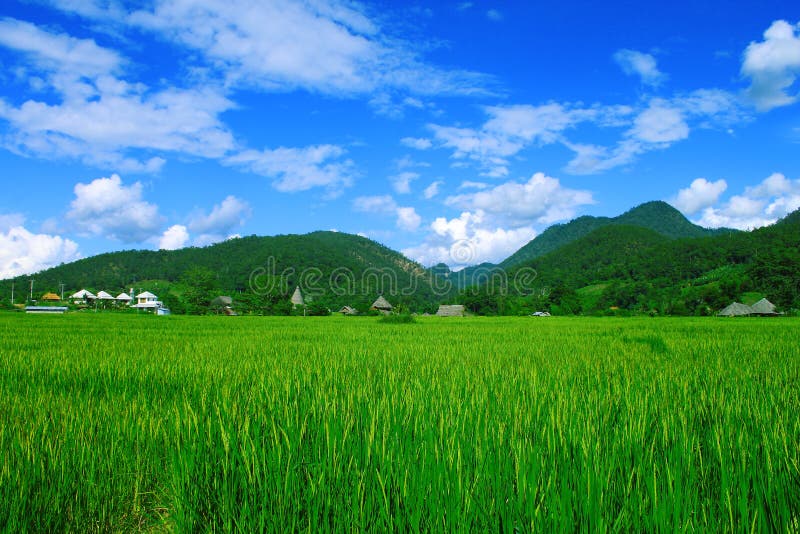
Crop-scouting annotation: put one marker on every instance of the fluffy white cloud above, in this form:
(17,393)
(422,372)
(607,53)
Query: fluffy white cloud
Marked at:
(223,217)
(761,205)
(660,123)
(468,240)
(699,195)
(494,15)
(174,237)
(508,130)
(402,182)
(106,207)
(432,190)
(406,217)
(300,169)
(322,46)
(100,118)
(420,143)
(644,65)
(773,65)
(23,252)
(541,199)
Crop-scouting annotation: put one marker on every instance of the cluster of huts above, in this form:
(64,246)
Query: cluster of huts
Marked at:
(762,308)
(383,306)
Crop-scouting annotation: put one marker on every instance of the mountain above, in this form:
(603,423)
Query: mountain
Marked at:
(331,266)
(657,216)
(638,269)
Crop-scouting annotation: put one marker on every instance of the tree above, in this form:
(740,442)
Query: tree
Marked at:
(201,286)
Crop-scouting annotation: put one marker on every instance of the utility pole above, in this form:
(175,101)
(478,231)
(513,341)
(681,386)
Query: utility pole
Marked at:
(12,293)
(32,281)
(62,289)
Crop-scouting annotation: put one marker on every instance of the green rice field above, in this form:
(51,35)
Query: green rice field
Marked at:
(120,423)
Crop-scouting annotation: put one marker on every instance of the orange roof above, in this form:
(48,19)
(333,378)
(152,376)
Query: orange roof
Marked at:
(50,296)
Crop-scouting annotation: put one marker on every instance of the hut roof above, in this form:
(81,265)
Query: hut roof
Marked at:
(146,295)
(381,304)
(764,307)
(50,296)
(450,310)
(82,294)
(222,301)
(348,310)
(737,309)
(104,296)
(124,296)
(297,297)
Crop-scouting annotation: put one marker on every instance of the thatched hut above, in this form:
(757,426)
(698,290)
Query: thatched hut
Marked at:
(382,305)
(348,310)
(451,310)
(737,309)
(297,298)
(764,307)
(51,297)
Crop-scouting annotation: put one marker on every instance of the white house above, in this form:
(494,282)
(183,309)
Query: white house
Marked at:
(123,298)
(82,296)
(102,295)
(147,301)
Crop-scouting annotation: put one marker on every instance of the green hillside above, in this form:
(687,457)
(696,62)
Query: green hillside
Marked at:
(332,268)
(657,216)
(635,269)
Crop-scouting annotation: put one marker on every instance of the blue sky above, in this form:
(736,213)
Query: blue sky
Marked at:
(452,131)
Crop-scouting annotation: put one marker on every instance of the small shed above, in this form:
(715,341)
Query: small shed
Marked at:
(737,309)
(45,309)
(382,305)
(51,297)
(348,310)
(297,297)
(223,304)
(764,307)
(450,310)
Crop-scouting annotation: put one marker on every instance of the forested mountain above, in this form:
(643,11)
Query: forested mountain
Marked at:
(636,269)
(648,260)
(657,216)
(331,267)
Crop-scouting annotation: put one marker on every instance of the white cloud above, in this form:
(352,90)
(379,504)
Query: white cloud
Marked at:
(660,123)
(432,190)
(541,199)
(417,142)
(300,169)
(98,117)
(408,219)
(761,205)
(224,216)
(23,252)
(508,130)
(468,240)
(494,15)
(644,65)
(174,237)
(773,66)
(322,46)
(406,216)
(402,182)
(106,207)
(699,195)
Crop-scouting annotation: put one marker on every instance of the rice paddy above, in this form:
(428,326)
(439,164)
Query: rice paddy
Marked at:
(129,423)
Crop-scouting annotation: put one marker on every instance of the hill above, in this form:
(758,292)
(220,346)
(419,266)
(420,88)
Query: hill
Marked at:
(331,267)
(657,216)
(640,270)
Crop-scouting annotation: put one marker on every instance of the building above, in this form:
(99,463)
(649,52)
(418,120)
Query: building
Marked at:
(147,301)
(123,298)
(451,310)
(82,296)
(737,309)
(45,309)
(764,308)
(102,295)
(382,305)
(223,304)
(51,297)
(297,298)
(348,310)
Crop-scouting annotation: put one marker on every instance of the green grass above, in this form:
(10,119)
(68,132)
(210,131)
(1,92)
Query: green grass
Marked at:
(121,423)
